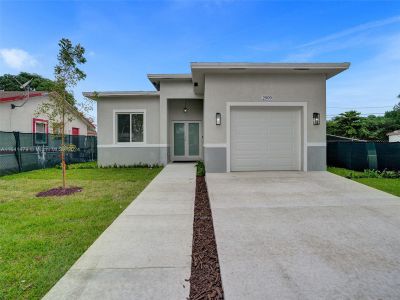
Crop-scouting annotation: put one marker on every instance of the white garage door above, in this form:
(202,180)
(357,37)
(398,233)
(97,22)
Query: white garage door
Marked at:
(265,138)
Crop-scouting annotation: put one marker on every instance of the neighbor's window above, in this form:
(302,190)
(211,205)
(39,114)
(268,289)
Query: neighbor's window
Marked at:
(40,132)
(130,127)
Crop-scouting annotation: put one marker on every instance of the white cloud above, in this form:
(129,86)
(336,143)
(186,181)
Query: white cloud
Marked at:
(353,30)
(345,39)
(17,58)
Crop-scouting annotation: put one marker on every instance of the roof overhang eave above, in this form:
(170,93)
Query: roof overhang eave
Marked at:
(199,69)
(98,95)
(156,79)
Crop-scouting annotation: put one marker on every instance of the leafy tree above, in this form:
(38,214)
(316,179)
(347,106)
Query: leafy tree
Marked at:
(346,124)
(351,124)
(67,75)
(394,114)
(9,82)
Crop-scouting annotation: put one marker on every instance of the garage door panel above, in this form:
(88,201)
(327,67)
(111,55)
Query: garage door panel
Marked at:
(265,139)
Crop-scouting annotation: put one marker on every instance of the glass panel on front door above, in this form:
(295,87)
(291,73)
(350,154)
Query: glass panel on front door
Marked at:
(194,149)
(186,140)
(179,139)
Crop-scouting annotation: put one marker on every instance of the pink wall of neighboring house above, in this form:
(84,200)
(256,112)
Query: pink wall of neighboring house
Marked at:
(23,118)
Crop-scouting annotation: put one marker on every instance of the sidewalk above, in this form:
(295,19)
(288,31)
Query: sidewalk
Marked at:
(146,252)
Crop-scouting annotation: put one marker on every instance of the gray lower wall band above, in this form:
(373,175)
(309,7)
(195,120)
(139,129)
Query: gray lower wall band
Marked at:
(131,155)
(316,158)
(215,160)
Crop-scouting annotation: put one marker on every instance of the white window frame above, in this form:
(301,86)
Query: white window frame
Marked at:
(45,133)
(130,112)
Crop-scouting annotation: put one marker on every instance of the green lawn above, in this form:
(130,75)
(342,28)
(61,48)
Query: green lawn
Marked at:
(388,185)
(40,238)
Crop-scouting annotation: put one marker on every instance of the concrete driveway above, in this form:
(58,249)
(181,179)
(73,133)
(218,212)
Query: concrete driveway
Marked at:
(294,235)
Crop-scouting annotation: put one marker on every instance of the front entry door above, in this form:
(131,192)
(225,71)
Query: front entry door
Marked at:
(186,140)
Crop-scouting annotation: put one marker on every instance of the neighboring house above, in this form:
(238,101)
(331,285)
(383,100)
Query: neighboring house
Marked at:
(18,113)
(394,136)
(234,116)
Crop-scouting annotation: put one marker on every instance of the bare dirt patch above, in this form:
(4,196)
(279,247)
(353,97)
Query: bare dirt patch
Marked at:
(60,192)
(205,278)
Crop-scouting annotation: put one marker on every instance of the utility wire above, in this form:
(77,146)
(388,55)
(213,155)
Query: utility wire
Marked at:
(360,114)
(360,107)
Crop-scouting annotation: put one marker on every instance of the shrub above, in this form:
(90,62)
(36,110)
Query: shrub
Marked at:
(200,168)
(374,174)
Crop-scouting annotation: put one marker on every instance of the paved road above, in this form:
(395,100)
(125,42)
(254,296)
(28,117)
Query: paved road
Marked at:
(294,235)
(146,252)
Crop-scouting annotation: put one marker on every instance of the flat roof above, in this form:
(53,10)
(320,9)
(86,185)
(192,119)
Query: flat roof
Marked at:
(199,69)
(267,65)
(396,132)
(105,94)
(155,79)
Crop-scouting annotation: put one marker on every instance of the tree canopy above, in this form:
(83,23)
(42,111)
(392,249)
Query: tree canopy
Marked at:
(9,82)
(351,124)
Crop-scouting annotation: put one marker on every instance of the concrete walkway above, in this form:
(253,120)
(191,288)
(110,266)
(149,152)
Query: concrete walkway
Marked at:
(294,235)
(146,252)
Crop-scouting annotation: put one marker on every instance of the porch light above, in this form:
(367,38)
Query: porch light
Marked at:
(185,109)
(218,118)
(316,118)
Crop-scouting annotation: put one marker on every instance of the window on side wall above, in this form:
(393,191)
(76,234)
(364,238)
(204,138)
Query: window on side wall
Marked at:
(130,127)
(40,131)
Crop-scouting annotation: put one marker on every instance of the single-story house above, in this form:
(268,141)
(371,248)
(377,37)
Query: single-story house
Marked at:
(234,116)
(18,113)
(394,136)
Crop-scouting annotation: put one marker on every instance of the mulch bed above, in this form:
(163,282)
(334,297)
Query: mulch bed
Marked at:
(205,278)
(60,191)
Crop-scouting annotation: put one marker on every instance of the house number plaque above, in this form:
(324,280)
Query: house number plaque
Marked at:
(266,98)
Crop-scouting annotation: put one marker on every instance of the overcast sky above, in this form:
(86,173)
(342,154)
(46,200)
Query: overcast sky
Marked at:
(125,40)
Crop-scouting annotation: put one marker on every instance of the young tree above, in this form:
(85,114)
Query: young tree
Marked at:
(58,110)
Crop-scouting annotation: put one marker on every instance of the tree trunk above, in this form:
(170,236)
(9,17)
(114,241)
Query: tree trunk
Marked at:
(62,143)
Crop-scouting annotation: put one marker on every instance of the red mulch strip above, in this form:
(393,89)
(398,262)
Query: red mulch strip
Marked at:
(205,278)
(60,191)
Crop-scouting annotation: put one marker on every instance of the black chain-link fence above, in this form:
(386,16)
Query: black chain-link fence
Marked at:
(21,152)
(360,156)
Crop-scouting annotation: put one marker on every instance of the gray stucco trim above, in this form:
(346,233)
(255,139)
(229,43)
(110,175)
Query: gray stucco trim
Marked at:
(164,154)
(215,159)
(125,156)
(316,158)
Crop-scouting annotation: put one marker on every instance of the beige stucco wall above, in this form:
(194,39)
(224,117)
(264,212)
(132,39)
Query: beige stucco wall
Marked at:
(105,116)
(222,88)
(194,113)
(177,89)
(20,118)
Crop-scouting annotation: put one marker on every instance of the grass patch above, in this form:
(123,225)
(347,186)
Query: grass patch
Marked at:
(40,238)
(389,185)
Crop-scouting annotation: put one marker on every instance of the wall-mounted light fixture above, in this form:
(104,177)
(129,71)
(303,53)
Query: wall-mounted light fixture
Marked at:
(185,109)
(316,118)
(218,118)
